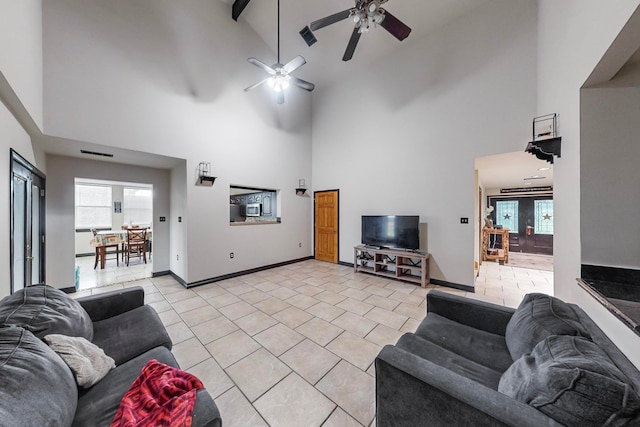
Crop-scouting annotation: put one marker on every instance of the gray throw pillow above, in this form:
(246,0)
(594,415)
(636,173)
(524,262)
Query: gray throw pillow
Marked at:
(573,381)
(88,362)
(44,310)
(538,317)
(36,387)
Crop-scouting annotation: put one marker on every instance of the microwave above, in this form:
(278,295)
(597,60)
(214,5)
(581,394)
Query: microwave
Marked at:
(254,209)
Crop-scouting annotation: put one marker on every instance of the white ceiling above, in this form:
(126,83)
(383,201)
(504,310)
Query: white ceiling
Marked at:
(511,170)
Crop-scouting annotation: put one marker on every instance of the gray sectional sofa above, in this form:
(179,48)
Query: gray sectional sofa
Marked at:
(471,363)
(37,388)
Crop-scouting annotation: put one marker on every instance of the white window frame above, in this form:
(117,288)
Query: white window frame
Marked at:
(126,210)
(106,207)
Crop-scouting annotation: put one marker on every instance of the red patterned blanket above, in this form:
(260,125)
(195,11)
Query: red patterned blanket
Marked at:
(160,396)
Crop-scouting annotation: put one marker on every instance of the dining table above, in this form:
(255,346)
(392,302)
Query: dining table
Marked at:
(105,238)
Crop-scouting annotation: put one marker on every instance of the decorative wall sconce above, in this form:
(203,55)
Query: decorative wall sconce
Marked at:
(546,142)
(204,175)
(302,188)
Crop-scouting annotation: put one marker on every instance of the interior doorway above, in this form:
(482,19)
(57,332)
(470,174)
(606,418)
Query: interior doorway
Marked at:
(326,225)
(104,211)
(516,192)
(27,223)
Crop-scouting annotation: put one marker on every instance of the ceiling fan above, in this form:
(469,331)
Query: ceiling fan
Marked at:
(280,76)
(237,8)
(364,14)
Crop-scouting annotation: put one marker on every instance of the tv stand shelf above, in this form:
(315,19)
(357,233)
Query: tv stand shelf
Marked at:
(397,264)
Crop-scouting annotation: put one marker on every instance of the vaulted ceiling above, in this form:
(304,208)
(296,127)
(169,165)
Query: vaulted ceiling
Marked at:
(324,58)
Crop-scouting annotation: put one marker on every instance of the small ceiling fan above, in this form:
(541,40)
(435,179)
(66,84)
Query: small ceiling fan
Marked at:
(364,14)
(280,76)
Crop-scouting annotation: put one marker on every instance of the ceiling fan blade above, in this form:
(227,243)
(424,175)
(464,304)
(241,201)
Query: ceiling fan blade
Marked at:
(294,64)
(302,83)
(256,85)
(262,65)
(331,19)
(280,97)
(238,7)
(396,27)
(351,47)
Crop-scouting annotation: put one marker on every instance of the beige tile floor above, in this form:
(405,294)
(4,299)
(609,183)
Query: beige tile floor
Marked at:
(112,273)
(295,345)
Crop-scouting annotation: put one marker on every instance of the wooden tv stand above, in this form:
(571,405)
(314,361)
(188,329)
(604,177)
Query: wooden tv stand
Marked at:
(392,263)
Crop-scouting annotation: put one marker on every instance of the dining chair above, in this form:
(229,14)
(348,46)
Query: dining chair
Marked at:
(136,244)
(101,250)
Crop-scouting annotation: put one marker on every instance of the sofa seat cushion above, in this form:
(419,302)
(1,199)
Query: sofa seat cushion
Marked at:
(98,405)
(450,360)
(38,389)
(141,328)
(537,317)
(573,381)
(44,310)
(481,347)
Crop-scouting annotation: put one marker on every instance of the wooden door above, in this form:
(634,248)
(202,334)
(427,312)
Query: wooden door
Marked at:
(530,220)
(326,225)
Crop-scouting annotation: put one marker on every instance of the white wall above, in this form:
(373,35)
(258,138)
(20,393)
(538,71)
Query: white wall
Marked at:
(21,52)
(178,253)
(568,50)
(20,73)
(157,77)
(610,177)
(61,172)
(403,138)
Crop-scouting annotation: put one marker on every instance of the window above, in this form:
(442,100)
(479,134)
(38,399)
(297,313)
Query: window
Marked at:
(93,206)
(138,206)
(543,216)
(507,215)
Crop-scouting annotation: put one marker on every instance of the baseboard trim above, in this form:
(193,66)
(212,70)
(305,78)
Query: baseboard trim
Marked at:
(161,273)
(465,288)
(236,274)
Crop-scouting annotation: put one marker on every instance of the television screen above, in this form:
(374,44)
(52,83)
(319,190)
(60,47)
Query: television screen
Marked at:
(391,231)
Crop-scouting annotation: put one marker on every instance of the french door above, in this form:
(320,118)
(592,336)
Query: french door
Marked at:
(27,223)
(530,221)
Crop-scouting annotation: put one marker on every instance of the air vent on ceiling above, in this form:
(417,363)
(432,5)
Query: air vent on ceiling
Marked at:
(95,153)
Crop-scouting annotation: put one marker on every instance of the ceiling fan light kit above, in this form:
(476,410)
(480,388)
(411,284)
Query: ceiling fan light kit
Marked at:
(363,15)
(280,77)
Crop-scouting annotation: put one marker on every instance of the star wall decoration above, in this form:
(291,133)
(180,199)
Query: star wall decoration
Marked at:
(546,216)
(507,217)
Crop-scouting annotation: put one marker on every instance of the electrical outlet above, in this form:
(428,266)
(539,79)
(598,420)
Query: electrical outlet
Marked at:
(231,255)
(163,219)
(177,257)
(464,220)
(179,219)
(300,244)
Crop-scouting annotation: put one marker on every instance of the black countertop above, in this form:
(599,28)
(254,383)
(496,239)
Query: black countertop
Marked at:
(618,289)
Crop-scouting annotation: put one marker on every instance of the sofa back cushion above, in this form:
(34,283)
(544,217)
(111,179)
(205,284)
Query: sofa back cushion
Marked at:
(573,381)
(44,310)
(538,317)
(38,389)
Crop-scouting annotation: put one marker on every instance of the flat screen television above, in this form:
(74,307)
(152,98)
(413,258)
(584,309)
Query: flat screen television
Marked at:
(391,231)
